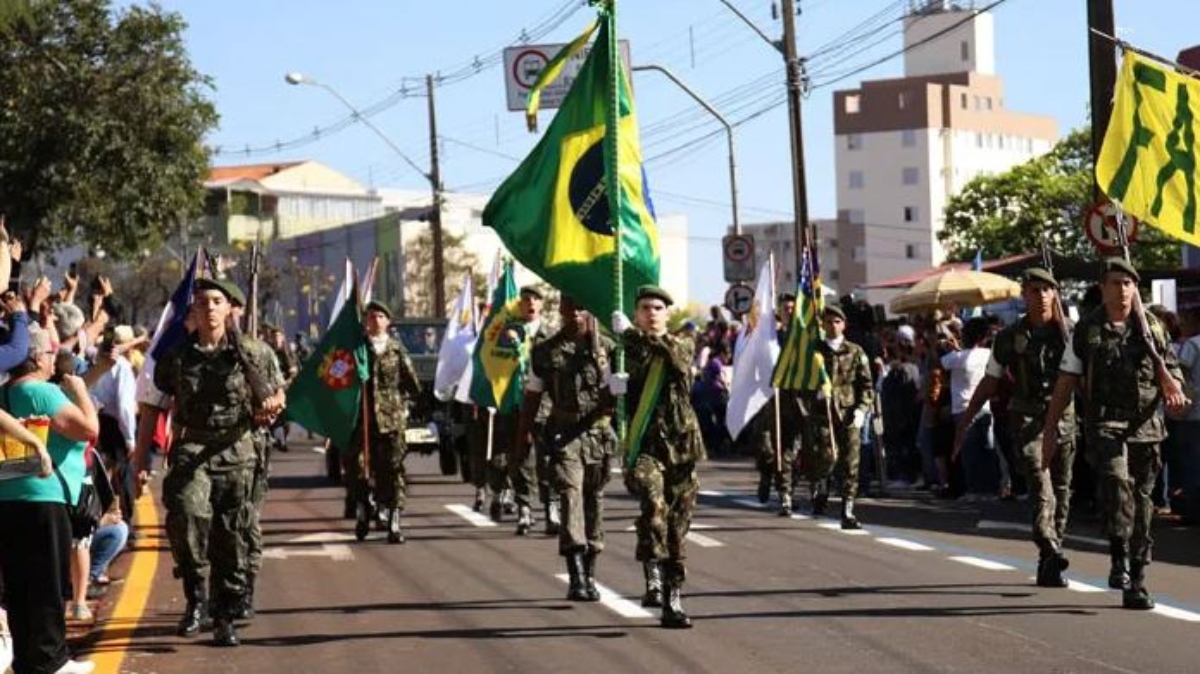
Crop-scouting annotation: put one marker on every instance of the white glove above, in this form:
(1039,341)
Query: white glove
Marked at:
(618,383)
(859,418)
(620,322)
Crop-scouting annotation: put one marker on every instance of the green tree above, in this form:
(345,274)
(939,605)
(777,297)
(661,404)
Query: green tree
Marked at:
(1006,214)
(418,272)
(101,121)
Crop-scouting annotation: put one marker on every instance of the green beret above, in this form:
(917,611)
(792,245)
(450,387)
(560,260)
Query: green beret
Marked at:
(376,305)
(655,292)
(833,311)
(786,297)
(226,287)
(533,290)
(1118,264)
(1038,274)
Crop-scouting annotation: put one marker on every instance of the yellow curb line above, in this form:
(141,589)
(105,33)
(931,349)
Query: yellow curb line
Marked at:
(135,594)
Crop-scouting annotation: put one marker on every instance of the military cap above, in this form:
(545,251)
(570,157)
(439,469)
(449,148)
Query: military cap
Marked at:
(654,291)
(376,305)
(833,311)
(533,290)
(786,297)
(1120,265)
(1033,274)
(226,287)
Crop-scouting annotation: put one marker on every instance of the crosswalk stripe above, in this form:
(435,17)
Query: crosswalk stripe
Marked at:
(983,563)
(615,602)
(904,544)
(470,515)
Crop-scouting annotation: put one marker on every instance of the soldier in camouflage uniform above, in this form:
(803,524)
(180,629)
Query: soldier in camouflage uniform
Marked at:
(570,370)
(837,421)
(220,388)
(391,383)
(1115,355)
(523,465)
(664,443)
(1029,351)
(763,425)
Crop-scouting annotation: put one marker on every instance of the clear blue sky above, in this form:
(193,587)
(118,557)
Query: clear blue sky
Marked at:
(368,50)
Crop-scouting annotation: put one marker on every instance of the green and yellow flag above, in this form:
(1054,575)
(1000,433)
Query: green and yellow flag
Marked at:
(800,366)
(1148,161)
(553,212)
(325,397)
(502,351)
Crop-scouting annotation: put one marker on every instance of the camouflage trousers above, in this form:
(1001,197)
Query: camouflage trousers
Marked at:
(387,452)
(1049,490)
(819,459)
(258,496)
(763,426)
(208,512)
(667,495)
(1126,472)
(581,471)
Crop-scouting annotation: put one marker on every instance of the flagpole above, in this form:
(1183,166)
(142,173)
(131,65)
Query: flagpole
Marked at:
(778,437)
(491,431)
(612,177)
(366,445)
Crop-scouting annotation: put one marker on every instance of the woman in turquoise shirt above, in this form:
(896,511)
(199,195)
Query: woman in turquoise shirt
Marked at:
(35,531)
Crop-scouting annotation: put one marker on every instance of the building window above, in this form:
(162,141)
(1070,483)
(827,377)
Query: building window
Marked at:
(964,101)
(910,251)
(908,138)
(853,104)
(978,103)
(910,175)
(854,141)
(978,139)
(902,100)
(987,102)
(964,48)
(911,213)
(859,253)
(856,216)
(832,243)
(833,275)
(856,180)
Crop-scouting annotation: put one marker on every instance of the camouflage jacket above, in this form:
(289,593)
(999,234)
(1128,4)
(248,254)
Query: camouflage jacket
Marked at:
(573,375)
(673,434)
(391,384)
(1031,355)
(850,378)
(1120,383)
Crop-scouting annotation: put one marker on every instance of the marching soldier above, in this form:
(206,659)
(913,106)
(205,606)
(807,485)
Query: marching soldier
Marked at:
(391,384)
(1128,370)
(663,446)
(221,389)
(789,425)
(836,421)
(570,369)
(1030,351)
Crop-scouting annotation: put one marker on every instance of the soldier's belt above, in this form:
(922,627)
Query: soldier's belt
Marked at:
(1109,413)
(205,435)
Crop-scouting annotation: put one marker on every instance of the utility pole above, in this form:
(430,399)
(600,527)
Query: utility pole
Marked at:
(435,211)
(795,120)
(1103,67)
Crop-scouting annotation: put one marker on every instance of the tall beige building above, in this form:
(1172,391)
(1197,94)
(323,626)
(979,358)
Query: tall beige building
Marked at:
(905,146)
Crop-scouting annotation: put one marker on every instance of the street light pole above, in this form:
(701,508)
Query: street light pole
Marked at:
(733,191)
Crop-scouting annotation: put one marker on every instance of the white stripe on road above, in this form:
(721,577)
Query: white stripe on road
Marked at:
(905,545)
(1177,613)
(1024,528)
(319,450)
(984,563)
(693,525)
(837,526)
(1083,587)
(615,602)
(704,541)
(712,494)
(470,515)
(751,503)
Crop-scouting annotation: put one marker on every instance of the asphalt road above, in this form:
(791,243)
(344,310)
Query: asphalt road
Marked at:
(926,587)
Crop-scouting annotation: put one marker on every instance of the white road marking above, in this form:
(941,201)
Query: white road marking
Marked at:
(1024,528)
(1083,587)
(751,503)
(798,516)
(693,525)
(704,541)
(904,544)
(319,449)
(470,515)
(983,563)
(1177,613)
(837,526)
(712,494)
(615,602)
(338,552)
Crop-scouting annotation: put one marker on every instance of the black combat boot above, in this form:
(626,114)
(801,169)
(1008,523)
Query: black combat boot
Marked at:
(654,584)
(1136,596)
(1118,573)
(224,633)
(349,509)
(575,572)
(524,520)
(589,575)
(1051,564)
(362,520)
(395,535)
(496,509)
(195,614)
(849,521)
(820,499)
(673,616)
(764,489)
(553,524)
(245,608)
(478,506)
(785,504)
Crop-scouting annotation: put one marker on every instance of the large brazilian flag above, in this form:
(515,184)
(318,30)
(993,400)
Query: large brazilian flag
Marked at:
(553,212)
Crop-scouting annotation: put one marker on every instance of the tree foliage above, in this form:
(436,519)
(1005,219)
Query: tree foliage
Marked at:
(418,272)
(1007,214)
(101,121)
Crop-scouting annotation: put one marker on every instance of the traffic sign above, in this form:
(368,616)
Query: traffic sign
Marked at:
(739,298)
(738,252)
(523,64)
(1100,226)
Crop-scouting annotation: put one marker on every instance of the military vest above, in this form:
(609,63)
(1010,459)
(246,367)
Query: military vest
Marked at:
(849,376)
(210,388)
(573,374)
(1120,381)
(1032,354)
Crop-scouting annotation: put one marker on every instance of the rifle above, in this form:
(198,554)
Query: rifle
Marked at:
(1048,263)
(252,309)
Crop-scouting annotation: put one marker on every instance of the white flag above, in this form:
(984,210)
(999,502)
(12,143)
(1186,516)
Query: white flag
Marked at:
(343,293)
(755,362)
(458,344)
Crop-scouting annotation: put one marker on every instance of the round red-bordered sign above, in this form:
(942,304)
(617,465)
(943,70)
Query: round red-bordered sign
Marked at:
(1100,227)
(519,72)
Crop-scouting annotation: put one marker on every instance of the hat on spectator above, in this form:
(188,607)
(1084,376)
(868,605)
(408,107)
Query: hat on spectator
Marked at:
(69,318)
(1038,274)
(376,305)
(226,287)
(654,292)
(533,291)
(1120,265)
(122,334)
(906,334)
(833,311)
